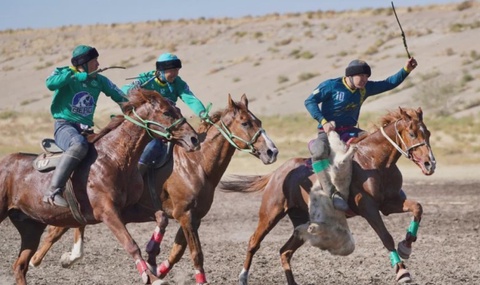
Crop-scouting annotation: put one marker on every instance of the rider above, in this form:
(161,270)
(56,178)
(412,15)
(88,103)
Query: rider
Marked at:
(76,90)
(341,99)
(165,80)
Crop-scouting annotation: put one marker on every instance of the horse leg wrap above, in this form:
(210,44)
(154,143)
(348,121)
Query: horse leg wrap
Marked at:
(200,277)
(394,258)
(413,229)
(142,269)
(320,165)
(153,246)
(163,269)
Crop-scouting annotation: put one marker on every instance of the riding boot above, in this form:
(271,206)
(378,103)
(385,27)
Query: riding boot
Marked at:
(68,162)
(142,168)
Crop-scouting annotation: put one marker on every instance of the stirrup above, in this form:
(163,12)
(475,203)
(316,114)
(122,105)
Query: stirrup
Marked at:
(55,198)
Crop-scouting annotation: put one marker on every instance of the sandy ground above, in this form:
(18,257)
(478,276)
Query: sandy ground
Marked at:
(446,252)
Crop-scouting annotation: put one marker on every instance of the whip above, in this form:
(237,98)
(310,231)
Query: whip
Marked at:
(403,34)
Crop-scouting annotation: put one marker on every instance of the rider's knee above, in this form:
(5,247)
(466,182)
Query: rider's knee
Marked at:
(319,149)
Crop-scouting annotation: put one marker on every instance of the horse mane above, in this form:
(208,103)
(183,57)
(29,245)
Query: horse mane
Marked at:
(394,115)
(136,98)
(215,117)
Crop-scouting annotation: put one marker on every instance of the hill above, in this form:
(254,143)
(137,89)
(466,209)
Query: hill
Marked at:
(277,60)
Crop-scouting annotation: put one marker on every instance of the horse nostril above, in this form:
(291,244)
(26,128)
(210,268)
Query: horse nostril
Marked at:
(195,141)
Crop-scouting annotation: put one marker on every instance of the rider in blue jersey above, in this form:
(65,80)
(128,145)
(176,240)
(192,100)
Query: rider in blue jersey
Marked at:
(335,104)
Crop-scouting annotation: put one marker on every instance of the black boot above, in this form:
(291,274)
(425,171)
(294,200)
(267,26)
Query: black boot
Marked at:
(142,168)
(64,169)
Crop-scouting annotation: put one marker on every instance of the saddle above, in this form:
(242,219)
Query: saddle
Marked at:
(49,158)
(48,161)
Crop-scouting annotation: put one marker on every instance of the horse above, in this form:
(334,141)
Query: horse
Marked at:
(105,183)
(187,184)
(376,186)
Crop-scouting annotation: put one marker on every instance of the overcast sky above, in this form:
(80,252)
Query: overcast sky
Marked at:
(18,14)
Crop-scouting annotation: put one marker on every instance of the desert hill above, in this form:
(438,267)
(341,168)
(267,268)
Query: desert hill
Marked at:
(277,59)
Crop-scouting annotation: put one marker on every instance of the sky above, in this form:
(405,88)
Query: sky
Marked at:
(20,14)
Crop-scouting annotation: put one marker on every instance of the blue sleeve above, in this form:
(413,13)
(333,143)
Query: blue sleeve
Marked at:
(377,87)
(312,102)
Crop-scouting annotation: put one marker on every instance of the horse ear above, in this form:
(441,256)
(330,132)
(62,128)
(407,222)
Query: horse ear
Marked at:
(420,113)
(244,100)
(404,114)
(231,103)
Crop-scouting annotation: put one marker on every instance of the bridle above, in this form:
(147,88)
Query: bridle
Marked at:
(145,124)
(408,150)
(229,136)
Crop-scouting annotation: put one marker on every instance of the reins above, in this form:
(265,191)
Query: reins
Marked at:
(145,125)
(407,151)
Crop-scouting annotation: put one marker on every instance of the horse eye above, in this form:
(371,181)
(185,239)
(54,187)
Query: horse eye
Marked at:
(412,134)
(247,124)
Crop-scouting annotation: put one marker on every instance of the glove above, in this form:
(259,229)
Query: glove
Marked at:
(81,76)
(203,115)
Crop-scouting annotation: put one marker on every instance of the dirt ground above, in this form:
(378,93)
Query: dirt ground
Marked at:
(447,250)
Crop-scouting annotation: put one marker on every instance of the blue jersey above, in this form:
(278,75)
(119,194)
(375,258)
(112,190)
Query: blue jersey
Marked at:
(341,104)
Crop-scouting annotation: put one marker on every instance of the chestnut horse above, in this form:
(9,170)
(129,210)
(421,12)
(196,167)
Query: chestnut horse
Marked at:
(376,186)
(188,183)
(106,182)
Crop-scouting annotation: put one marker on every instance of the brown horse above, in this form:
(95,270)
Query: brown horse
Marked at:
(375,187)
(188,185)
(106,183)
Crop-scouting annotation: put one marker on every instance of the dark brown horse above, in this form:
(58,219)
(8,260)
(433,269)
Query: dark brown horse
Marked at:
(188,185)
(106,183)
(375,187)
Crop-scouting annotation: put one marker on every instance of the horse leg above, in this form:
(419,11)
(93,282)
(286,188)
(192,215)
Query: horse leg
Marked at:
(112,220)
(176,253)
(369,210)
(286,253)
(268,219)
(153,246)
(401,206)
(69,258)
(53,235)
(30,233)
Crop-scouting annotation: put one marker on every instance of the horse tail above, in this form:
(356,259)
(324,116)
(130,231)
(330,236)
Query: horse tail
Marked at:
(244,183)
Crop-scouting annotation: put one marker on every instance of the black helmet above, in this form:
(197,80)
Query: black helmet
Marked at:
(356,67)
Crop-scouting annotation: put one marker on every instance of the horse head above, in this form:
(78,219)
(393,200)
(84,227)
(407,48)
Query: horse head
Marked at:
(244,131)
(160,118)
(412,138)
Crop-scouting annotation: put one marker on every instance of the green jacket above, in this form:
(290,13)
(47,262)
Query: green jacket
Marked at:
(179,89)
(76,101)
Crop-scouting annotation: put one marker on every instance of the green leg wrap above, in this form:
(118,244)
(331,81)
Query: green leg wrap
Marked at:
(394,258)
(321,165)
(413,228)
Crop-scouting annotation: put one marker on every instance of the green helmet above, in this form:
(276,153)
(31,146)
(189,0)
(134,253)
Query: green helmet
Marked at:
(83,54)
(168,61)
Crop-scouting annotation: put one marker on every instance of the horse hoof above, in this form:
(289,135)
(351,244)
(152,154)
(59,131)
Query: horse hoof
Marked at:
(404,251)
(403,276)
(160,282)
